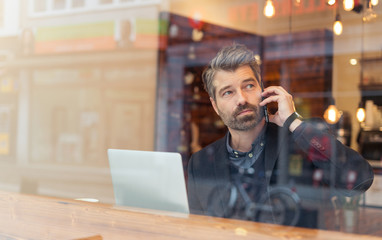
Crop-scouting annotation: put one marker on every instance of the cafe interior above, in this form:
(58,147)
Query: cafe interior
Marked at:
(79,77)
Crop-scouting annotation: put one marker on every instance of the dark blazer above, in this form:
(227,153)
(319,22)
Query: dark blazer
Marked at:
(209,167)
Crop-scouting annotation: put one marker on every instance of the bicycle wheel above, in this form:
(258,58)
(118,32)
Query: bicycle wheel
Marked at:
(282,207)
(222,200)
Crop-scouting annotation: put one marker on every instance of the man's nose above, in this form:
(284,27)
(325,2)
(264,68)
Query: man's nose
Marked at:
(241,98)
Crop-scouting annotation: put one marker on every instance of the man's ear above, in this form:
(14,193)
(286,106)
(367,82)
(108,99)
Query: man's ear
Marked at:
(214,105)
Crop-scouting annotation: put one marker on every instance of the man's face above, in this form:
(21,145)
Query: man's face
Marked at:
(238,95)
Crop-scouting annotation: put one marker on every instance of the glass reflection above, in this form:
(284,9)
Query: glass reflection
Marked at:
(78,77)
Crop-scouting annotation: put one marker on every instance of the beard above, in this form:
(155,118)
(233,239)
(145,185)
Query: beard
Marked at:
(242,123)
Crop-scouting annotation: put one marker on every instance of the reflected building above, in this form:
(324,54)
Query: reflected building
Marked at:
(80,76)
(86,72)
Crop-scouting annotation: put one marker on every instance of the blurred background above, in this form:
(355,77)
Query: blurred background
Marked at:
(80,76)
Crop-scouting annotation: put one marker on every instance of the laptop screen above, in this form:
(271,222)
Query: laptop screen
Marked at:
(148,180)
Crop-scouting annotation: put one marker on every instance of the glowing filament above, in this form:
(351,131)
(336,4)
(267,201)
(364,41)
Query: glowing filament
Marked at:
(269,9)
(348,5)
(337,27)
(361,115)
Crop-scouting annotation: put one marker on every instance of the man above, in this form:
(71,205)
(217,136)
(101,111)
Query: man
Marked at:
(255,146)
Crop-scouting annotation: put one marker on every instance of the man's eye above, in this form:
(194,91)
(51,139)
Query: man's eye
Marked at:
(226,93)
(249,86)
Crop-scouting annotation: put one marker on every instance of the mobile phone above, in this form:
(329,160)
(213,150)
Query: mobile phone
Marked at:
(265,106)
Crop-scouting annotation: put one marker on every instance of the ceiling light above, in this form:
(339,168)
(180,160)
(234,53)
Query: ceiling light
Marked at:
(361,114)
(348,5)
(337,26)
(369,14)
(332,115)
(269,9)
(197,35)
(331,2)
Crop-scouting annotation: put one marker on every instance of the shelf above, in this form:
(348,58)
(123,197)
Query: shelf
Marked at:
(369,129)
(368,60)
(371,87)
(371,73)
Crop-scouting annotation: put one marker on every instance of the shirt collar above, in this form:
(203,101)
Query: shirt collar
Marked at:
(246,159)
(257,140)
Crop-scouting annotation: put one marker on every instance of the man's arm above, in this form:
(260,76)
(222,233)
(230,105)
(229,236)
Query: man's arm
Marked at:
(353,173)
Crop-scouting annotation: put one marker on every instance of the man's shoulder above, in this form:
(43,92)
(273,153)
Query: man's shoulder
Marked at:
(211,150)
(210,157)
(212,146)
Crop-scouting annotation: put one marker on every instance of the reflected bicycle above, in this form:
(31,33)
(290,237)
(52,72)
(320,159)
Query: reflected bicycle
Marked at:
(280,206)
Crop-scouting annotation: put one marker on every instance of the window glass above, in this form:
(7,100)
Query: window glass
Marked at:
(39,5)
(78,3)
(110,75)
(1,14)
(59,4)
(106,1)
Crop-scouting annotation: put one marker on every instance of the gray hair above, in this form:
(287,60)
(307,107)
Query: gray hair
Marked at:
(229,58)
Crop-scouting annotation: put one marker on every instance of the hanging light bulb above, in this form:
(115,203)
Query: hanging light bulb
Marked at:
(369,14)
(297,3)
(348,5)
(337,26)
(331,114)
(361,114)
(353,61)
(374,2)
(269,9)
(331,2)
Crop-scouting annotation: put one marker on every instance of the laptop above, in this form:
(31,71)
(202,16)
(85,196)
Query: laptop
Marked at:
(148,180)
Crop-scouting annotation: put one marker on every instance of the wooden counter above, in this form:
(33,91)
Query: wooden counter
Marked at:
(36,217)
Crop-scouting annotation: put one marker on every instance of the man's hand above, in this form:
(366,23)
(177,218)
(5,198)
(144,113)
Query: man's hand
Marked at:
(285,105)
